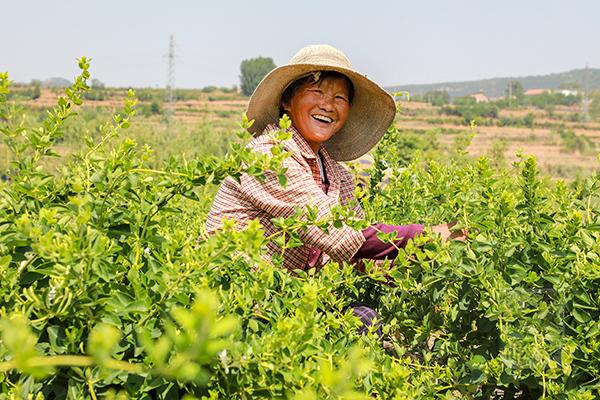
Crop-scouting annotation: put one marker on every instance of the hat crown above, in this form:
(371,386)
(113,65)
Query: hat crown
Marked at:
(321,54)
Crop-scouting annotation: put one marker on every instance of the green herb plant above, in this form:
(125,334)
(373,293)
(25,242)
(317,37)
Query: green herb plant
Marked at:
(110,288)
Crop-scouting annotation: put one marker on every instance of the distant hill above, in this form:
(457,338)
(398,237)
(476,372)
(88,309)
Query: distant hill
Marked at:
(56,83)
(496,87)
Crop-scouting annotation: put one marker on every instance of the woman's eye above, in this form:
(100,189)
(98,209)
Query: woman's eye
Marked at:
(341,98)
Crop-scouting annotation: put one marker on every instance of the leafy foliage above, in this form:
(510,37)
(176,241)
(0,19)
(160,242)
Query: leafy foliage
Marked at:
(470,110)
(575,143)
(515,91)
(106,290)
(595,105)
(545,100)
(436,97)
(252,71)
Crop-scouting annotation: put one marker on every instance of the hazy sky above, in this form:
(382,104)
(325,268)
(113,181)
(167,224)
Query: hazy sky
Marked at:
(393,42)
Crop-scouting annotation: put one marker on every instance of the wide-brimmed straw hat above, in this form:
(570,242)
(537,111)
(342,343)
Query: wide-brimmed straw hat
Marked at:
(370,115)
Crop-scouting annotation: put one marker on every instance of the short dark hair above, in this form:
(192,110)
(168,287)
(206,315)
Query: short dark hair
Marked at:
(289,92)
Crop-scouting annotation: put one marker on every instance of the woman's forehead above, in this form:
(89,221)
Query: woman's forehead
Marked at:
(337,82)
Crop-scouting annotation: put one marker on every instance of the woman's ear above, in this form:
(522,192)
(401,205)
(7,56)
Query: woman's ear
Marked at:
(286,107)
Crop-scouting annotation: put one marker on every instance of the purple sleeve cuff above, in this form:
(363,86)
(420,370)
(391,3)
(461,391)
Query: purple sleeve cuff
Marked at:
(375,249)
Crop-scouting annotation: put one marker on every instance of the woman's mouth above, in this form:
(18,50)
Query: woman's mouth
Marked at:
(322,118)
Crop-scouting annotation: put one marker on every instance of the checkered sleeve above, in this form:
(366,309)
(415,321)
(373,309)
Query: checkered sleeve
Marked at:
(276,201)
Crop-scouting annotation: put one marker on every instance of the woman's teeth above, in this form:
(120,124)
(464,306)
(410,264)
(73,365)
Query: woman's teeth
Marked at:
(322,118)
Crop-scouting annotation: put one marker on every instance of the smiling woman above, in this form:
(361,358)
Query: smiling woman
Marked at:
(337,114)
(318,106)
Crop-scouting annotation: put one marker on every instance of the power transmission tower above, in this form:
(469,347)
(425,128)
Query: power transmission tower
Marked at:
(170,95)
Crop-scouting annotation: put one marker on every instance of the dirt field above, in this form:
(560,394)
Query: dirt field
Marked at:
(541,140)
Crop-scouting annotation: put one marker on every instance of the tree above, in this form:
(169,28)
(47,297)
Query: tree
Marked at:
(570,86)
(514,91)
(97,84)
(437,97)
(252,72)
(36,91)
(594,109)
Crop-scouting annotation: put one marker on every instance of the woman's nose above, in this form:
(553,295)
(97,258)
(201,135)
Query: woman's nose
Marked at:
(326,102)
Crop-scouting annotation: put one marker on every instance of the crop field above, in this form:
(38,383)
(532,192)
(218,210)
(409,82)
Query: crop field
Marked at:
(555,155)
(564,145)
(111,289)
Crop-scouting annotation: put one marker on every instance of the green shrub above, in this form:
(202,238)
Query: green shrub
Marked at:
(108,286)
(209,89)
(571,142)
(227,113)
(146,94)
(36,91)
(497,151)
(154,108)
(469,110)
(527,121)
(436,98)
(547,99)
(186,94)
(232,89)
(25,92)
(594,109)
(95,95)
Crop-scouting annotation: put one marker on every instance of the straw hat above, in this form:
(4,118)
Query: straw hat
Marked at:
(371,113)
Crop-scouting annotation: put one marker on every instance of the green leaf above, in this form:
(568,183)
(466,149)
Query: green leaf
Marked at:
(282,180)
(581,315)
(5,261)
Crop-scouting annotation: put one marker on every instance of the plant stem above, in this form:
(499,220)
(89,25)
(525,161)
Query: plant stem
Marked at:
(92,392)
(74,361)
(155,171)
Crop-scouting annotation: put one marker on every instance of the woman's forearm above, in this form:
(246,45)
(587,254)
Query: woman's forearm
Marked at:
(376,249)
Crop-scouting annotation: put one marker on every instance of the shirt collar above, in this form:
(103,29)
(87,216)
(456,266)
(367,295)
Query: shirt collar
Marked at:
(305,149)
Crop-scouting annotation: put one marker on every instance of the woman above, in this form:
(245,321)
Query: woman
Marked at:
(337,114)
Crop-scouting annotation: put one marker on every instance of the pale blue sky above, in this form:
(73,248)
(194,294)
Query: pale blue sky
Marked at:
(393,42)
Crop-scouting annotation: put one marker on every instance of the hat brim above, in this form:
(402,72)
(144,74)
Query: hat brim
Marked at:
(372,111)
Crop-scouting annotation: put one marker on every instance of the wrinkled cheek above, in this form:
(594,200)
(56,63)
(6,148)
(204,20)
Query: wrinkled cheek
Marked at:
(338,128)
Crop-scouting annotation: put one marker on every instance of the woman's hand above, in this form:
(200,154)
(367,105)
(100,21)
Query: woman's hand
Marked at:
(447,233)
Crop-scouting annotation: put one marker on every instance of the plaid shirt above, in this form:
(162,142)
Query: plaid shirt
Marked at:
(251,199)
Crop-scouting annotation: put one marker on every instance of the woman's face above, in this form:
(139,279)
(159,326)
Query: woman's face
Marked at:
(319,110)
